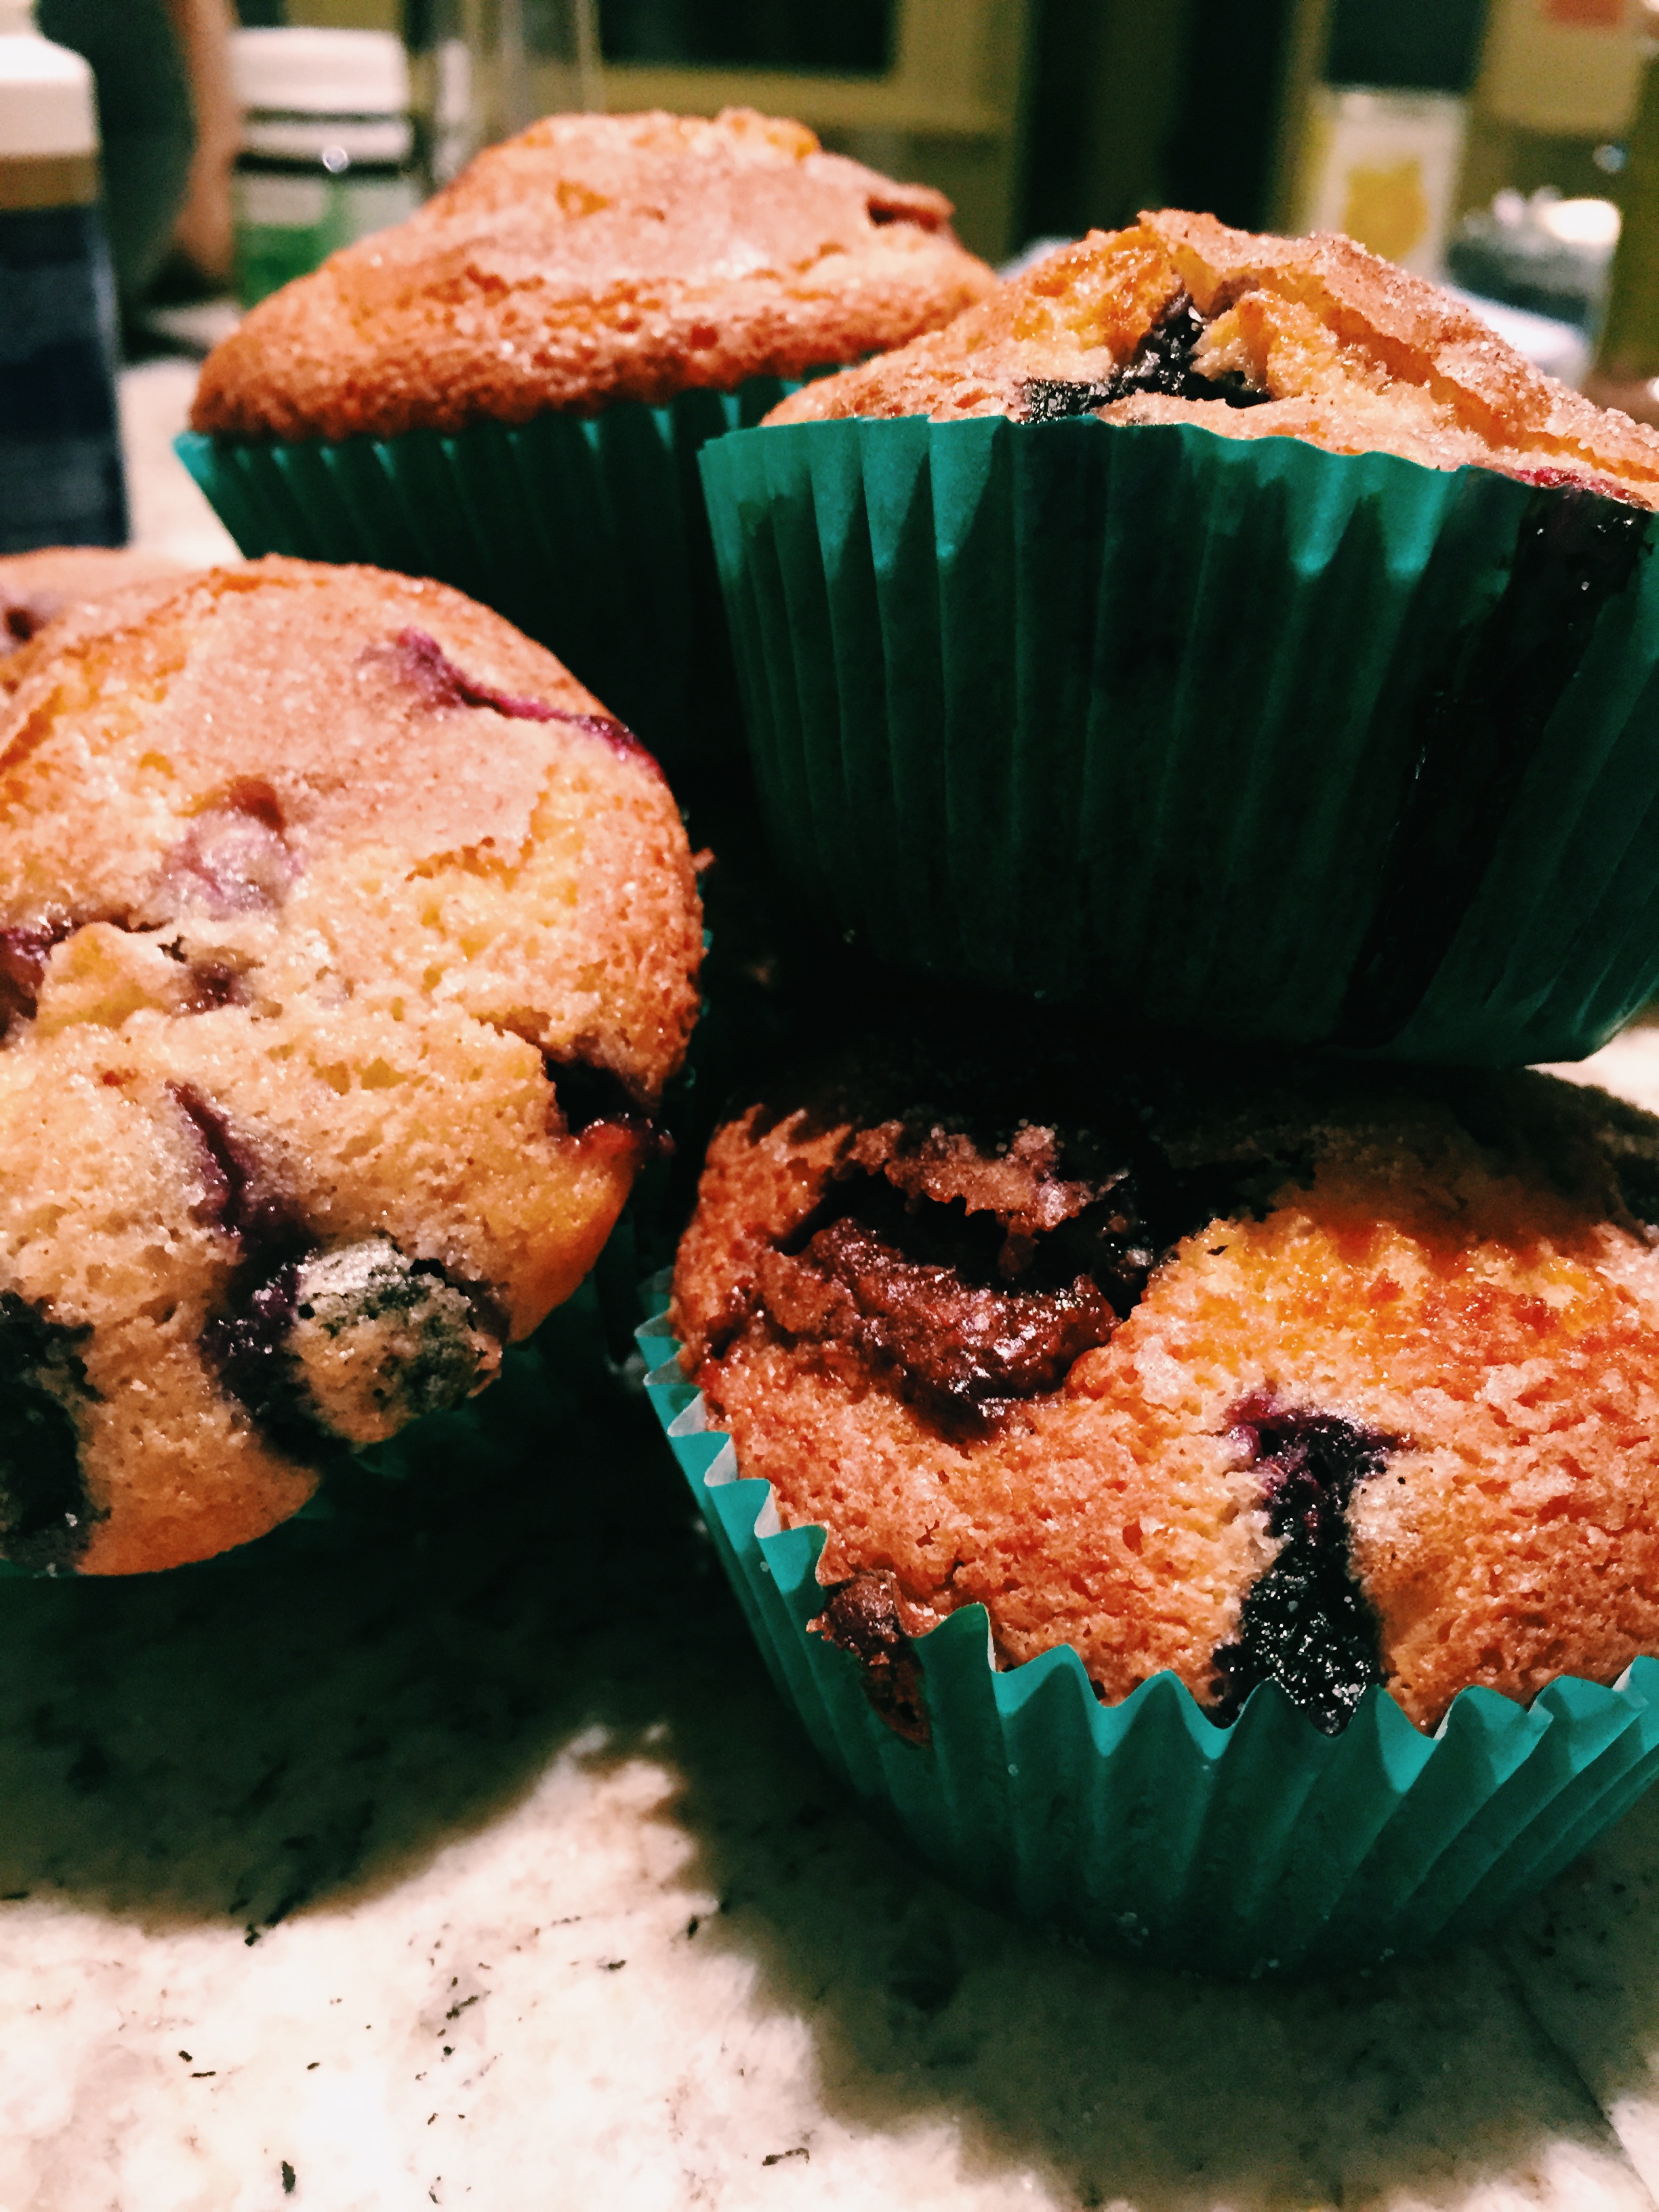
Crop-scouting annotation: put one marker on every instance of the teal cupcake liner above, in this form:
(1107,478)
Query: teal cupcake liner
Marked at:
(1261,1848)
(587,532)
(1239,735)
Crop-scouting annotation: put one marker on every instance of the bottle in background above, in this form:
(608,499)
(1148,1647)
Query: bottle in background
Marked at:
(1383,131)
(1626,371)
(442,77)
(61,480)
(327,147)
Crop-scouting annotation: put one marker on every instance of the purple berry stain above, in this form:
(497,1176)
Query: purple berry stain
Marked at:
(234,859)
(423,665)
(1306,1624)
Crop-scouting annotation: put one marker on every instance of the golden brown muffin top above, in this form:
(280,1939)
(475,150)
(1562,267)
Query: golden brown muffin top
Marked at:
(1181,319)
(591,258)
(35,588)
(1274,1369)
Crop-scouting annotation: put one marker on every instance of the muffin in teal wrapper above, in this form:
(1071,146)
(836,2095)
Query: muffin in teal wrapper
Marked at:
(587,532)
(1247,737)
(1261,1848)
(1230,630)
(508,390)
(1205,1498)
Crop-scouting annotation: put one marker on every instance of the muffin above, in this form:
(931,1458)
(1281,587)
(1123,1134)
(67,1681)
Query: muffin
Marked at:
(35,588)
(1255,593)
(346,945)
(1268,1373)
(591,259)
(1181,319)
(510,387)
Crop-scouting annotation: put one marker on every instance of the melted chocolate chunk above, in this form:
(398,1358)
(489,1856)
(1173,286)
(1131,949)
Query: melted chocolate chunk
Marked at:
(589,1094)
(23,957)
(862,1617)
(1055,399)
(1161,363)
(421,662)
(240,1194)
(247,1345)
(963,1349)
(26,618)
(1480,715)
(46,1514)
(1306,1624)
(243,1343)
(972,1303)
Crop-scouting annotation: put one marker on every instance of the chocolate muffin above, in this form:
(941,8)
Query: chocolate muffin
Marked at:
(591,259)
(345,947)
(1180,318)
(1247,1371)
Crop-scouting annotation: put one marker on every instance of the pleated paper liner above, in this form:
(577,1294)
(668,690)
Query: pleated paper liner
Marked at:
(589,533)
(1261,1848)
(1234,734)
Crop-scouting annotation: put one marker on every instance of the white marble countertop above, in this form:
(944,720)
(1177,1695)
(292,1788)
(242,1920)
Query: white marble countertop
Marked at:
(480,1864)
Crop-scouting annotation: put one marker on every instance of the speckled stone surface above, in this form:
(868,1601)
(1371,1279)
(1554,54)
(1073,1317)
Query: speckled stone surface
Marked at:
(473,1857)
(466,1856)
(463,1853)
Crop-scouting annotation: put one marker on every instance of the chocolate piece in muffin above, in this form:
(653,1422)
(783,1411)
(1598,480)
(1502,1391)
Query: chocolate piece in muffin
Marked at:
(1181,319)
(346,945)
(595,258)
(1266,1371)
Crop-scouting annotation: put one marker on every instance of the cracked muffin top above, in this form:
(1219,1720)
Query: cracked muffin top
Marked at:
(1181,320)
(345,947)
(1247,1370)
(595,258)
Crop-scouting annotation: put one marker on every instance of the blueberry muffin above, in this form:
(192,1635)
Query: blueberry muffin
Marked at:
(345,946)
(36,588)
(1245,1370)
(591,259)
(1181,319)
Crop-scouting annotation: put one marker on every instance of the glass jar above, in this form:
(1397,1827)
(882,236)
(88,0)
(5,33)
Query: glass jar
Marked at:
(327,148)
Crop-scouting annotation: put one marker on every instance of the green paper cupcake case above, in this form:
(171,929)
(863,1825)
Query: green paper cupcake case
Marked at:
(1261,1848)
(588,532)
(1234,734)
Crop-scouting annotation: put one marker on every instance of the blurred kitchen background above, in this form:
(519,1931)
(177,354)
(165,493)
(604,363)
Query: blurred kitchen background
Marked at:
(1502,145)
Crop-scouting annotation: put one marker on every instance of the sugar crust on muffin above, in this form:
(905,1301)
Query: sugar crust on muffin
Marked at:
(1328,1378)
(345,947)
(37,588)
(1180,318)
(595,258)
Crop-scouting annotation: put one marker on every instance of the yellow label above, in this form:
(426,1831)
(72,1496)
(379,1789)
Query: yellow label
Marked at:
(1387,207)
(44,180)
